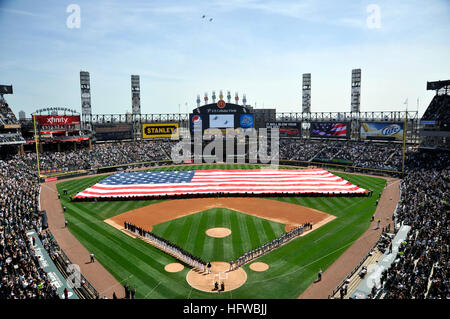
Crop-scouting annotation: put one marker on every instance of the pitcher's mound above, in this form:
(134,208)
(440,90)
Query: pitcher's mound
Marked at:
(218,232)
(259,266)
(205,282)
(174,267)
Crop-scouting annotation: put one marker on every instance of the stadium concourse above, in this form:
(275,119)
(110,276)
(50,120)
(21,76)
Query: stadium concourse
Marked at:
(420,271)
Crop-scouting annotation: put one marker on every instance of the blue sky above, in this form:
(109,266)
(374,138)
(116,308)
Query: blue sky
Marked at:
(257,47)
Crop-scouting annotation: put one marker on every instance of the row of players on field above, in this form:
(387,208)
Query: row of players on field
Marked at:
(196,262)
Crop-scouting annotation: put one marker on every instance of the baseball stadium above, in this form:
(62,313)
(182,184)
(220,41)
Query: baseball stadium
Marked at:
(330,217)
(226,200)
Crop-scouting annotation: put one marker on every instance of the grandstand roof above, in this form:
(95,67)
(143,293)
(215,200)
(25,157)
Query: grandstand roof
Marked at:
(437,85)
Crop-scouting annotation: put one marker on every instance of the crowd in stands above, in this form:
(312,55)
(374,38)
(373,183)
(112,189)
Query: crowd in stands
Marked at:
(103,155)
(9,138)
(386,156)
(61,261)
(300,150)
(21,275)
(438,109)
(422,267)
(7,116)
(420,271)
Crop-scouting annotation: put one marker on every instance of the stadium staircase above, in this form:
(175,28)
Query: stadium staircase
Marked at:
(337,154)
(86,290)
(430,279)
(355,279)
(165,151)
(317,154)
(388,160)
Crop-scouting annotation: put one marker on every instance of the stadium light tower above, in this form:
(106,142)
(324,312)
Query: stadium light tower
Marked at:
(356,90)
(355,103)
(86,108)
(306,93)
(135,95)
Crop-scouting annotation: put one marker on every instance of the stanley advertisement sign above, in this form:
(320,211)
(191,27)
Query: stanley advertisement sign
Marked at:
(159,130)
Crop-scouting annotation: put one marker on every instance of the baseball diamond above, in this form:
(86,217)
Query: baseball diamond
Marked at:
(201,166)
(184,222)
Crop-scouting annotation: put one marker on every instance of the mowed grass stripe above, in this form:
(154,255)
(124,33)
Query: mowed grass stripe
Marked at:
(217,244)
(236,236)
(253,232)
(323,205)
(308,253)
(118,257)
(115,266)
(245,237)
(270,232)
(312,249)
(260,231)
(219,247)
(285,264)
(138,255)
(206,244)
(173,227)
(183,232)
(120,242)
(193,233)
(228,247)
(199,241)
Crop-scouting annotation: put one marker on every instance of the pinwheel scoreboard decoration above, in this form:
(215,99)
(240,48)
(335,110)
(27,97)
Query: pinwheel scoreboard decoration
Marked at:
(221,104)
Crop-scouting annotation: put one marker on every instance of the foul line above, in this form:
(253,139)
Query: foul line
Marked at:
(153,289)
(289,273)
(119,283)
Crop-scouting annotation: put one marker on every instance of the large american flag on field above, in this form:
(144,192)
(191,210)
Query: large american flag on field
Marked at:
(233,181)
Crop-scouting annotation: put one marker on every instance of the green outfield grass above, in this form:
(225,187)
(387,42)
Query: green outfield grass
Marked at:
(247,233)
(293,267)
